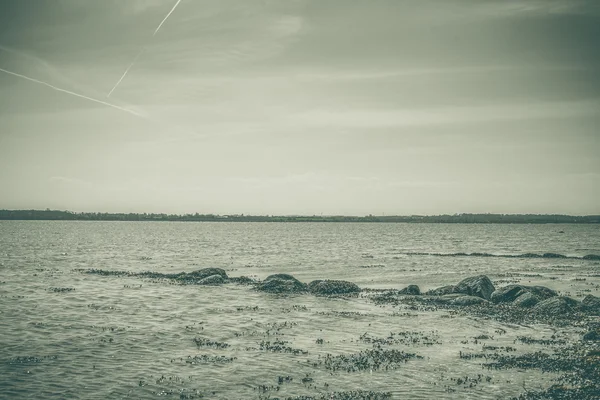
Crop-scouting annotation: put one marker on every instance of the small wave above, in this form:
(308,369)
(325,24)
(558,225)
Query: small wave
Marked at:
(593,257)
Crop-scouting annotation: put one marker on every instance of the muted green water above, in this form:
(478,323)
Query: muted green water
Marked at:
(65,334)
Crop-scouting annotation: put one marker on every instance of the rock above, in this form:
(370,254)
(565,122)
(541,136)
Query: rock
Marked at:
(553,255)
(526,300)
(591,303)
(205,273)
(541,292)
(446,298)
(242,280)
(331,287)
(479,286)
(592,336)
(510,293)
(507,294)
(555,306)
(212,280)
(282,283)
(467,300)
(410,289)
(441,291)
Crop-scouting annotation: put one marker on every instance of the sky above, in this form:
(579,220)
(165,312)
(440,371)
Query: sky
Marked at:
(301,106)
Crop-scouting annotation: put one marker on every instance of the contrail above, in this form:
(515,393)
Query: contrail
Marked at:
(72,93)
(143,49)
(168,15)
(126,71)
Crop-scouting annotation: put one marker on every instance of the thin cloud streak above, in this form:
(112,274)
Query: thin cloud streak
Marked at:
(168,15)
(126,71)
(142,50)
(72,93)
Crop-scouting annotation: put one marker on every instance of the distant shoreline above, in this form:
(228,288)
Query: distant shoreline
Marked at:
(57,215)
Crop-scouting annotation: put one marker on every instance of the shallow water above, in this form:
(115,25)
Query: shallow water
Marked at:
(66,334)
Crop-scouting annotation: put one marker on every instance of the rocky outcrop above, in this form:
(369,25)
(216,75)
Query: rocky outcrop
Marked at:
(556,306)
(510,293)
(332,287)
(282,283)
(411,289)
(479,286)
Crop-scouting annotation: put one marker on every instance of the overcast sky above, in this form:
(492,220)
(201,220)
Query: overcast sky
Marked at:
(301,106)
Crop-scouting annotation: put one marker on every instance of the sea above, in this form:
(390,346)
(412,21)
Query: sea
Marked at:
(69,334)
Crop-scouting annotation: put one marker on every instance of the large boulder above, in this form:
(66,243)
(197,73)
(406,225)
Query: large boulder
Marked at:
(332,287)
(282,283)
(479,286)
(591,304)
(510,293)
(556,306)
(410,289)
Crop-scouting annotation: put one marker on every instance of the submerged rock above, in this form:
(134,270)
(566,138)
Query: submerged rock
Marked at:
(332,287)
(556,306)
(410,289)
(282,283)
(479,286)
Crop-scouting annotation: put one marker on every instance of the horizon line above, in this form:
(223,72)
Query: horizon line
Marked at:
(385,215)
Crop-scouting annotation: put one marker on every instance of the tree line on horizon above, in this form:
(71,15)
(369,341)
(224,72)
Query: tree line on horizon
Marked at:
(58,215)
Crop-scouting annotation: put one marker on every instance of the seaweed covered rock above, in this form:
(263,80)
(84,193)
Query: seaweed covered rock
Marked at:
(242,280)
(206,272)
(591,304)
(282,283)
(212,280)
(510,293)
(411,289)
(556,306)
(479,286)
(445,298)
(332,287)
(466,300)
(441,291)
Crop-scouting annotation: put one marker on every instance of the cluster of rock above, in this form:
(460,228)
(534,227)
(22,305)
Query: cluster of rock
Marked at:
(541,301)
(284,283)
(205,276)
(276,283)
